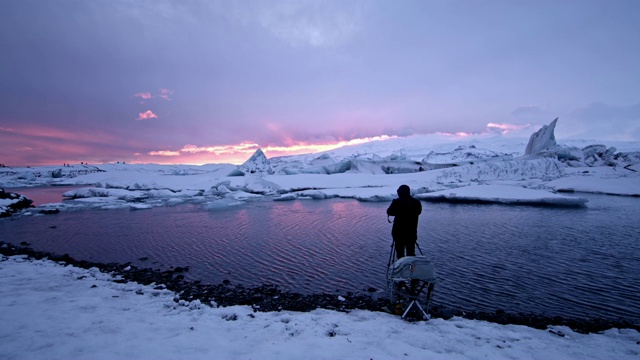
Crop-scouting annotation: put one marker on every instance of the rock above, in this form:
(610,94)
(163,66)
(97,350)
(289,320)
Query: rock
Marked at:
(541,140)
(11,203)
(56,174)
(49,211)
(236,172)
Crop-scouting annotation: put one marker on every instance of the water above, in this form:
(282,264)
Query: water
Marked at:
(44,194)
(579,262)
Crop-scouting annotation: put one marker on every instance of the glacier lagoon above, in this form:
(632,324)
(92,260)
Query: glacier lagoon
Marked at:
(578,262)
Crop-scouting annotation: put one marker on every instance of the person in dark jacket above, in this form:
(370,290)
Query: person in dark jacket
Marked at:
(406,210)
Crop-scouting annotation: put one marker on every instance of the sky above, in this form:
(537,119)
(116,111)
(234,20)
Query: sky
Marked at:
(196,82)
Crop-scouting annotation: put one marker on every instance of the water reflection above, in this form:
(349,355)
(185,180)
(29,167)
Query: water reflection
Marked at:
(44,195)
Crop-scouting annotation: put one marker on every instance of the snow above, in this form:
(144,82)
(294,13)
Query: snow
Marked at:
(629,186)
(7,202)
(502,194)
(51,311)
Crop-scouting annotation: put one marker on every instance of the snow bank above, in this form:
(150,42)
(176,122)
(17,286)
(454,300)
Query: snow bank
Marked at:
(52,311)
(502,194)
(628,186)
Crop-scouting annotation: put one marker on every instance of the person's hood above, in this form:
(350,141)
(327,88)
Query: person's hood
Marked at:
(404,191)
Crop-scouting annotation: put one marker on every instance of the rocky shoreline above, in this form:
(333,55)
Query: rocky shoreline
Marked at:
(270,298)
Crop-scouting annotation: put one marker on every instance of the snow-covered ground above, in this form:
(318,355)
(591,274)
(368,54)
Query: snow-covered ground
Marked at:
(50,311)
(53,312)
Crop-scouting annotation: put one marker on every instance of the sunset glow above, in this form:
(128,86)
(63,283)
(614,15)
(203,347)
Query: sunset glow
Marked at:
(237,154)
(505,128)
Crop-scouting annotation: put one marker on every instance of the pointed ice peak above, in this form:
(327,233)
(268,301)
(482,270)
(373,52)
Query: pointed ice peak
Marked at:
(542,139)
(257,156)
(257,163)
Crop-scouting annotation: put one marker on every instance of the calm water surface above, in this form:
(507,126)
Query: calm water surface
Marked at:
(44,194)
(580,262)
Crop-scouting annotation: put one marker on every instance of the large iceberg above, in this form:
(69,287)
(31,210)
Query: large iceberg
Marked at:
(543,139)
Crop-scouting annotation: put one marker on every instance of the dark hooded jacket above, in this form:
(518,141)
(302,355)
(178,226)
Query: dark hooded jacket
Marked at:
(406,210)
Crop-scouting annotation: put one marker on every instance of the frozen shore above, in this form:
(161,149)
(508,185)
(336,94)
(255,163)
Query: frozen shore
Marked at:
(53,310)
(270,298)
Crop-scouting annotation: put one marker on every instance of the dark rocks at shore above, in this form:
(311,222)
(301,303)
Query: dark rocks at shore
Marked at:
(271,298)
(21,203)
(49,211)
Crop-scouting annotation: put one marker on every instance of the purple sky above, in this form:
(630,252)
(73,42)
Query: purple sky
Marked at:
(211,81)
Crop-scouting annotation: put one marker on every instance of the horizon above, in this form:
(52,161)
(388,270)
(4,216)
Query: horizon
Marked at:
(210,82)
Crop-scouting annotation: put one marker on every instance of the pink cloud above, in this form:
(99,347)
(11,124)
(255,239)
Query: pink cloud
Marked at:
(147,115)
(164,153)
(162,93)
(505,128)
(56,133)
(165,94)
(34,146)
(221,149)
(143,95)
(239,153)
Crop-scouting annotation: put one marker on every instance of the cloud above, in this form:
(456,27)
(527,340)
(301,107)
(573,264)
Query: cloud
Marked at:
(165,94)
(46,132)
(162,94)
(164,153)
(221,149)
(309,23)
(598,111)
(143,95)
(506,128)
(147,115)
(42,145)
(238,153)
(528,110)
(605,122)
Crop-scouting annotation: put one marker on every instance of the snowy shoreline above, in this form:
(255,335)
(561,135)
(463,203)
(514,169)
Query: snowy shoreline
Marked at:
(267,298)
(56,311)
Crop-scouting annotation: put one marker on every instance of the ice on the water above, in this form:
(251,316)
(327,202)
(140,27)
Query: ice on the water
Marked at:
(502,194)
